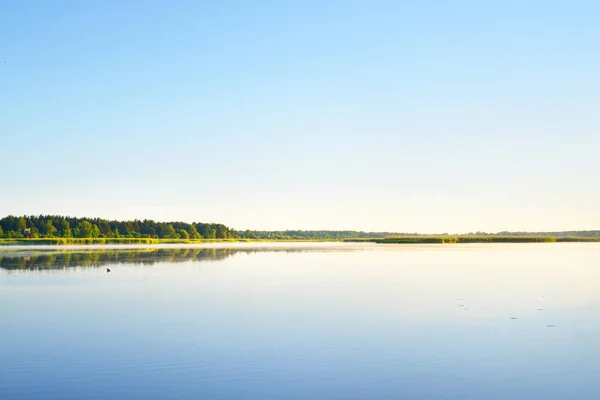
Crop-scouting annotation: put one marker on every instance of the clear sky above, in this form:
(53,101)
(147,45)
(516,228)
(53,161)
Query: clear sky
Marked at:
(409,116)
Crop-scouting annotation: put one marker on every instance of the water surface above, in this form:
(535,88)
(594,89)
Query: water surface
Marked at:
(335,321)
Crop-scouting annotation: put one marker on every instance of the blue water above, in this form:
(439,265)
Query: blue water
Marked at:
(330,321)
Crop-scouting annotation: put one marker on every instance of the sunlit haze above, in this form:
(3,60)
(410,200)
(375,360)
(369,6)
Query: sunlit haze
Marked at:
(400,116)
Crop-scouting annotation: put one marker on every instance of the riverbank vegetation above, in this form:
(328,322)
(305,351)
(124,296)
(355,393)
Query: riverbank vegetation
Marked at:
(61,230)
(101,231)
(54,226)
(483,239)
(109,241)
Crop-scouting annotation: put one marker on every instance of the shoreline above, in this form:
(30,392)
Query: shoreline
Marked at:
(5,242)
(141,241)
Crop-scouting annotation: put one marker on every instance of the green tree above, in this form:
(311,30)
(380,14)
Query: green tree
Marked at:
(184,234)
(104,227)
(64,228)
(34,233)
(47,229)
(221,232)
(21,224)
(95,232)
(168,232)
(211,233)
(193,233)
(129,228)
(83,229)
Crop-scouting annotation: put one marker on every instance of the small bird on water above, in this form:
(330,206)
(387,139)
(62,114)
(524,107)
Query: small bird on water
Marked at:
(107,270)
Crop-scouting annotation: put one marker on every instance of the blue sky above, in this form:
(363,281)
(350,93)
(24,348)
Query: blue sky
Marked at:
(429,116)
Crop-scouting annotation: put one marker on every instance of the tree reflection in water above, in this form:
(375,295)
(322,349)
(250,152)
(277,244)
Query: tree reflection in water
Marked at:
(95,258)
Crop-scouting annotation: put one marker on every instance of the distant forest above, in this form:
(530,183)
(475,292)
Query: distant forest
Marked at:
(49,226)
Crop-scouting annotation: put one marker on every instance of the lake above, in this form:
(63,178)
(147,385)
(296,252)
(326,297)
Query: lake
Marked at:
(301,321)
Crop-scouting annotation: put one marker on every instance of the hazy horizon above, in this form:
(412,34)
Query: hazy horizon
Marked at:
(368,116)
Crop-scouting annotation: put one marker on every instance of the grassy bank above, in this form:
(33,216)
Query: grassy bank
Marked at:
(481,239)
(389,240)
(105,241)
(67,241)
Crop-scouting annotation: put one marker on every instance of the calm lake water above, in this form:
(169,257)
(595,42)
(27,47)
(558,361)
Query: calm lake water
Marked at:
(330,321)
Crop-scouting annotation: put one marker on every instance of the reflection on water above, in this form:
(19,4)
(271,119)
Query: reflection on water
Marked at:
(96,258)
(359,321)
(90,257)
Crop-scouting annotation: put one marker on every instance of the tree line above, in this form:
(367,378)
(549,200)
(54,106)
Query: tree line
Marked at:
(56,226)
(312,235)
(48,226)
